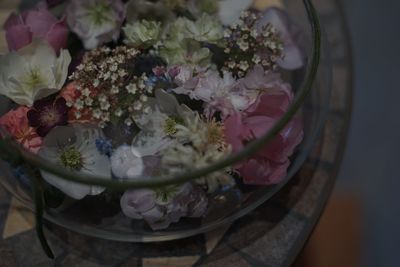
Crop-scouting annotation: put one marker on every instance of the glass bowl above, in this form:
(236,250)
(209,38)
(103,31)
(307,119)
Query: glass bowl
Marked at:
(101,216)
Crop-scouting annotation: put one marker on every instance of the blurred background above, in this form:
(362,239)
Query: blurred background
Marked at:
(361,225)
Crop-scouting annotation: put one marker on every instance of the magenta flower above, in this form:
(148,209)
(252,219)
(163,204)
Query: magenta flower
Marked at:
(96,21)
(48,113)
(36,23)
(270,164)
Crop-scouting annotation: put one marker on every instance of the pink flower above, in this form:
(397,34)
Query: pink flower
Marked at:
(225,94)
(36,23)
(269,165)
(16,123)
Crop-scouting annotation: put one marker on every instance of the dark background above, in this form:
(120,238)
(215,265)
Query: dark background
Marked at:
(371,165)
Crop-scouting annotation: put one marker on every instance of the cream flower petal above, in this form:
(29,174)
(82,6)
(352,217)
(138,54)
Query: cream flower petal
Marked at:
(33,72)
(81,137)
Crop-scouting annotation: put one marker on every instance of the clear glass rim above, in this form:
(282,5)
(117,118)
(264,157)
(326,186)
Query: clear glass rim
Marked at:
(16,151)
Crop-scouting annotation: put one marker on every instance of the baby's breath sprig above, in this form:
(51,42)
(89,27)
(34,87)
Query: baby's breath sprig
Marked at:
(247,46)
(109,90)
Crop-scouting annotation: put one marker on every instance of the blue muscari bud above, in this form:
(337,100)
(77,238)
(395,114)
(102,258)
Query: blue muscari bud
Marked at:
(104,146)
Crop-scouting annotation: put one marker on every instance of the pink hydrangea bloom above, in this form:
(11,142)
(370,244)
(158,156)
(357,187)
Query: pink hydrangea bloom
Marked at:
(16,123)
(270,164)
(36,23)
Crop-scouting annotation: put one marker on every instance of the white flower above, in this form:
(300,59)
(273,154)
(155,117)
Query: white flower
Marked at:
(205,144)
(160,124)
(219,93)
(131,88)
(142,34)
(74,147)
(96,21)
(33,72)
(127,163)
(206,29)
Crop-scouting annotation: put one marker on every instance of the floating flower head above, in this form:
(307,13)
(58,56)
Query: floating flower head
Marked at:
(225,94)
(247,44)
(110,91)
(16,123)
(48,113)
(74,147)
(202,142)
(21,29)
(270,164)
(205,29)
(142,34)
(159,125)
(163,206)
(33,72)
(184,41)
(96,21)
(185,51)
(127,163)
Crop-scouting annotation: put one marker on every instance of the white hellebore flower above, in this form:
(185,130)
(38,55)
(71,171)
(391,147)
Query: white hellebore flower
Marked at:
(206,29)
(33,72)
(142,34)
(158,127)
(74,147)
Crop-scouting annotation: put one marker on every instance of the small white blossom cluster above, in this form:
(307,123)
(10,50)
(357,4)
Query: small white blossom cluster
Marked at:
(247,46)
(108,91)
(204,144)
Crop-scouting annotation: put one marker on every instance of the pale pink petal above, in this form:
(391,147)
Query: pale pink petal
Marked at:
(259,125)
(271,104)
(57,36)
(40,22)
(18,36)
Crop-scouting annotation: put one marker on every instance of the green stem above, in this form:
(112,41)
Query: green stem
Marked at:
(39,207)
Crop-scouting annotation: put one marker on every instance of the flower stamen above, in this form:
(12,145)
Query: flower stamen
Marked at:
(72,158)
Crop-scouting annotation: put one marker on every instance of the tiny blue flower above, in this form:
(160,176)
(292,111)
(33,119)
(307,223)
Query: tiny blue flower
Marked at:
(104,146)
(152,81)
